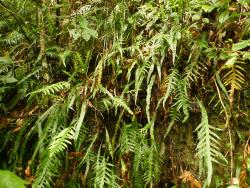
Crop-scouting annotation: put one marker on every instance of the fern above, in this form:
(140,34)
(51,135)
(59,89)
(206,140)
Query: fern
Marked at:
(182,99)
(169,85)
(175,116)
(151,164)
(51,89)
(13,38)
(192,72)
(79,63)
(118,101)
(140,75)
(208,141)
(50,161)
(104,175)
(128,138)
(172,40)
(148,98)
(234,77)
(80,120)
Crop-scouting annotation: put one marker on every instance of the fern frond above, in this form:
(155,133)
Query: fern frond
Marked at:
(169,85)
(51,89)
(60,141)
(13,38)
(140,75)
(208,143)
(148,98)
(53,52)
(118,101)
(175,116)
(172,40)
(81,117)
(79,62)
(128,138)
(50,162)
(182,99)
(151,164)
(234,78)
(104,175)
(192,72)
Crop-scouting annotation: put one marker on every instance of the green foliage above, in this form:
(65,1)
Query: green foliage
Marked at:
(117,81)
(50,159)
(207,148)
(9,180)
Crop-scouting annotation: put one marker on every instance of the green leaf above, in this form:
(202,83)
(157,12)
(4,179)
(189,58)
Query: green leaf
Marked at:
(8,79)
(241,45)
(223,17)
(230,63)
(196,17)
(246,56)
(10,180)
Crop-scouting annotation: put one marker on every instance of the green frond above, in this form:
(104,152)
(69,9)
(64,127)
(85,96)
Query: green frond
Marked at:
(52,89)
(192,72)
(80,120)
(208,143)
(13,38)
(53,52)
(140,75)
(128,138)
(151,164)
(109,144)
(182,99)
(148,98)
(104,175)
(118,101)
(175,116)
(50,161)
(170,85)
(79,62)
(172,39)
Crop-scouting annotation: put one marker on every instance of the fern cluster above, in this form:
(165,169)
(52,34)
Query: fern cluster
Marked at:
(92,92)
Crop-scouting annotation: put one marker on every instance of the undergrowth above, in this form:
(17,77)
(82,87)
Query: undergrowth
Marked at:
(125,93)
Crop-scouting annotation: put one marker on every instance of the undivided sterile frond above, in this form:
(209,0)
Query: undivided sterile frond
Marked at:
(140,75)
(208,143)
(172,39)
(148,98)
(52,89)
(80,119)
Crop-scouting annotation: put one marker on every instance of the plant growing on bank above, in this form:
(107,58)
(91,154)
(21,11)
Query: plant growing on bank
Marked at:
(125,93)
